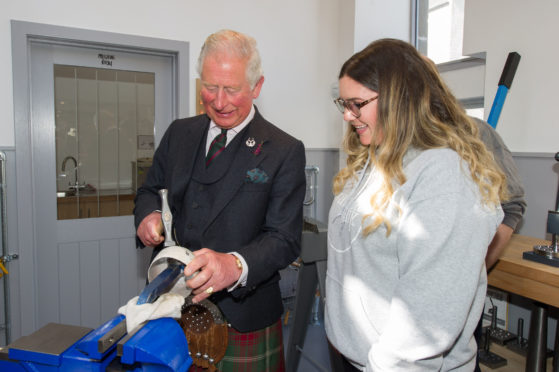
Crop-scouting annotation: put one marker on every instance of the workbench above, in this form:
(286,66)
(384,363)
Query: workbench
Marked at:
(532,280)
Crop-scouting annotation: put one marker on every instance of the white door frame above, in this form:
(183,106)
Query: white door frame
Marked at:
(23,286)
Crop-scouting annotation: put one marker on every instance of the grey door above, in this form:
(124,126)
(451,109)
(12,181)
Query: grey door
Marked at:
(86,264)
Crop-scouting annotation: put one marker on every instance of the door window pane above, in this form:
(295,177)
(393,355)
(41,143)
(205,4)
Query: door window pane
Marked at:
(104,126)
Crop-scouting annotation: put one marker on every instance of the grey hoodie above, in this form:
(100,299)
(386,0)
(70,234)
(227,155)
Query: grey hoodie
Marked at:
(410,301)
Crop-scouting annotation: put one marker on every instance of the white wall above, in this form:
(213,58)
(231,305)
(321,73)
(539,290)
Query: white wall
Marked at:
(298,41)
(529,120)
(372,20)
(377,19)
(303,44)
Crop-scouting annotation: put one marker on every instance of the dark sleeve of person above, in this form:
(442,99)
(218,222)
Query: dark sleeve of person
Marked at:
(515,207)
(147,197)
(279,242)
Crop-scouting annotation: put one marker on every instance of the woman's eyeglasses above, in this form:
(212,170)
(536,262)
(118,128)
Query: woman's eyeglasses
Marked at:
(351,106)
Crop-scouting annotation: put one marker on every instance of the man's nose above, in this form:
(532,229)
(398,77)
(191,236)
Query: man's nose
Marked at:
(220,99)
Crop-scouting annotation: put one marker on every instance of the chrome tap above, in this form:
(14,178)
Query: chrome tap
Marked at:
(76,184)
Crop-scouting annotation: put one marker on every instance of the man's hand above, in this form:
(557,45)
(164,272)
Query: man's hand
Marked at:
(151,229)
(217,271)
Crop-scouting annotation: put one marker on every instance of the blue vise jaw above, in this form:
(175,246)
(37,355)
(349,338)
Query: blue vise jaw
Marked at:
(157,345)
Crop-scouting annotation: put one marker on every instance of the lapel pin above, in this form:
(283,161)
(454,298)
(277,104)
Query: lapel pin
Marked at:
(258,148)
(250,142)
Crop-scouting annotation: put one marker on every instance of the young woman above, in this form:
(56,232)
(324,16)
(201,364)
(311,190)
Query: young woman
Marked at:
(415,210)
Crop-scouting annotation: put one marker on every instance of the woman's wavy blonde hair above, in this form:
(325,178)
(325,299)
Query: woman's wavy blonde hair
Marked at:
(415,108)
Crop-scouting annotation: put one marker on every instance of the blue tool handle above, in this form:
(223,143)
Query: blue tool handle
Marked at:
(505,83)
(497,107)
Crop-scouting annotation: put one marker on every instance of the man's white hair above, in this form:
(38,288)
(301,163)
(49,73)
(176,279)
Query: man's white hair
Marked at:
(237,44)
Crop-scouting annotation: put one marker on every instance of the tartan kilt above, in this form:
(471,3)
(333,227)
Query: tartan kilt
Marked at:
(258,351)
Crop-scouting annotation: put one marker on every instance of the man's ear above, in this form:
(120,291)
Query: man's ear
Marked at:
(257,88)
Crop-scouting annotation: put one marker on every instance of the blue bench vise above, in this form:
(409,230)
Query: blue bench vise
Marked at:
(157,345)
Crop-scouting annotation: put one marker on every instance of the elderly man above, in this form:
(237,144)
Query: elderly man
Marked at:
(236,187)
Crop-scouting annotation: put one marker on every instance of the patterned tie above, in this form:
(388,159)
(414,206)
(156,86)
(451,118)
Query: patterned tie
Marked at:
(216,147)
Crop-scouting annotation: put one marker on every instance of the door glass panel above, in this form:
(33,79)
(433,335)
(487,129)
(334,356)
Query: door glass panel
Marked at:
(104,125)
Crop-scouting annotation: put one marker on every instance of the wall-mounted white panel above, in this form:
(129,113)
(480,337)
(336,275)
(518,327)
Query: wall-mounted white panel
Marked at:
(528,122)
(466,83)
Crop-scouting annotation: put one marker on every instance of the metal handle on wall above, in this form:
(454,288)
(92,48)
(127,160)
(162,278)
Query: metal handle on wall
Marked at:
(311,173)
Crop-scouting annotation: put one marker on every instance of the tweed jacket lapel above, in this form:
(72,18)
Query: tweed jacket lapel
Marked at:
(192,138)
(245,159)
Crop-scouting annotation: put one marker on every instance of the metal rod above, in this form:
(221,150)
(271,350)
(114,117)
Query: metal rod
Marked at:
(537,340)
(556,157)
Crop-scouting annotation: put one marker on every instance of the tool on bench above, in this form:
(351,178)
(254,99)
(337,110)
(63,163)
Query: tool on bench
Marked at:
(157,345)
(548,254)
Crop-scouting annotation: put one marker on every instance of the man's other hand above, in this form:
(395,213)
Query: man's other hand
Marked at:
(151,229)
(218,271)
